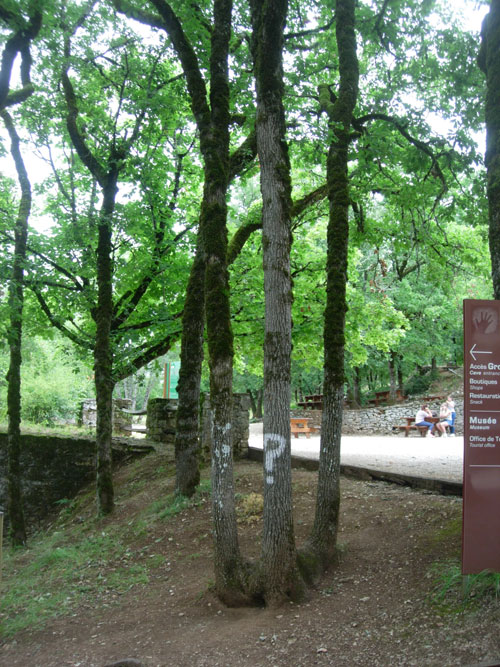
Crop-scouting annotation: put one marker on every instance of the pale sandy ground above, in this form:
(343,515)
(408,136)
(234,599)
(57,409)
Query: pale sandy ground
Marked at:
(437,458)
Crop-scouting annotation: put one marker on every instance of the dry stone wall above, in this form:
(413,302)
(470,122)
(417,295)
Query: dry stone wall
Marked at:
(160,420)
(380,420)
(122,421)
(56,467)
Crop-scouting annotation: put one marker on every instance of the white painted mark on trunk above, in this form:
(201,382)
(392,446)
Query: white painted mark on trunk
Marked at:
(274,447)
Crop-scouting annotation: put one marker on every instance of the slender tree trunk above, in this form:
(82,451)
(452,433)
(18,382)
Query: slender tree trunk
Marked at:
(17,46)
(103,357)
(280,577)
(213,121)
(256,398)
(489,62)
(230,582)
(356,386)
(324,533)
(253,403)
(392,377)
(187,444)
(401,385)
(16,301)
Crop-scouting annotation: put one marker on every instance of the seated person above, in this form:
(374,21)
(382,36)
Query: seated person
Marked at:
(445,418)
(421,419)
(451,405)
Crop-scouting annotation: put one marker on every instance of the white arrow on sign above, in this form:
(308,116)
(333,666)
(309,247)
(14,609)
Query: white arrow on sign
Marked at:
(473,352)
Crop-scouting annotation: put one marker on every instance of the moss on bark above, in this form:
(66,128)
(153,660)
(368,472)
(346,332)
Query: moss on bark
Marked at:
(187,444)
(324,533)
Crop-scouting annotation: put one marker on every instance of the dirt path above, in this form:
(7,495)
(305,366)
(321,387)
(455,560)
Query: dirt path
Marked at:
(373,609)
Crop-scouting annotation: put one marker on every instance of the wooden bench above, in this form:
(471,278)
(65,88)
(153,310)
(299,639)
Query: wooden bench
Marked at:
(302,425)
(311,405)
(410,427)
(385,397)
(312,402)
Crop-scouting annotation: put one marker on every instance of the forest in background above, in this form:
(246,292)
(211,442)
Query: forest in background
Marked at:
(418,237)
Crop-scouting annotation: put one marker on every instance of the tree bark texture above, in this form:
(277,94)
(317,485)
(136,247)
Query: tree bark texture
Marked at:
(187,445)
(229,576)
(489,61)
(213,120)
(324,534)
(392,376)
(16,301)
(280,577)
(17,45)
(103,357)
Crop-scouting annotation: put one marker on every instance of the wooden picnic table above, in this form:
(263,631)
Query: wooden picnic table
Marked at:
(411,426)
(302,425)
(311,405)
(384,397)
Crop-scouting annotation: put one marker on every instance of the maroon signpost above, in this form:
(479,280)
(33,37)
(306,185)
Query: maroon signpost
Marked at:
(481,489)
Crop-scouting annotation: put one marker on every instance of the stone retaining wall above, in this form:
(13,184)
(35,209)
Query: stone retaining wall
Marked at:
(160,420)
(381,420)
(122,421)
(162,412)
(55,467)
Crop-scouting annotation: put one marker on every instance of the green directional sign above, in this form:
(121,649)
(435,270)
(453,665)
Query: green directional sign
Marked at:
(171,378)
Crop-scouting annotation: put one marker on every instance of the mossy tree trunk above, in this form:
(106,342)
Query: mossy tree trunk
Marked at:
(187,437)
(279,573)
(212,116)
(324,533)
(16,301)
(18,45)
(392,376)
(356,393)
(187,444)
(103,356)
(229,572)
(489,62)
(401,386)
(106,173)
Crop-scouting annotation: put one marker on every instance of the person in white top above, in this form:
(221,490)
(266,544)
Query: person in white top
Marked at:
(421,419)
(451,405)
(445,418)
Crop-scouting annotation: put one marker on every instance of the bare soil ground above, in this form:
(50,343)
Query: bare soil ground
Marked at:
(373,608)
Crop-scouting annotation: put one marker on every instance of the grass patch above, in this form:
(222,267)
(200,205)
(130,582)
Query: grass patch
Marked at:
(173,504)
(454,592)
(80,562)
(452,530)
(58,572)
